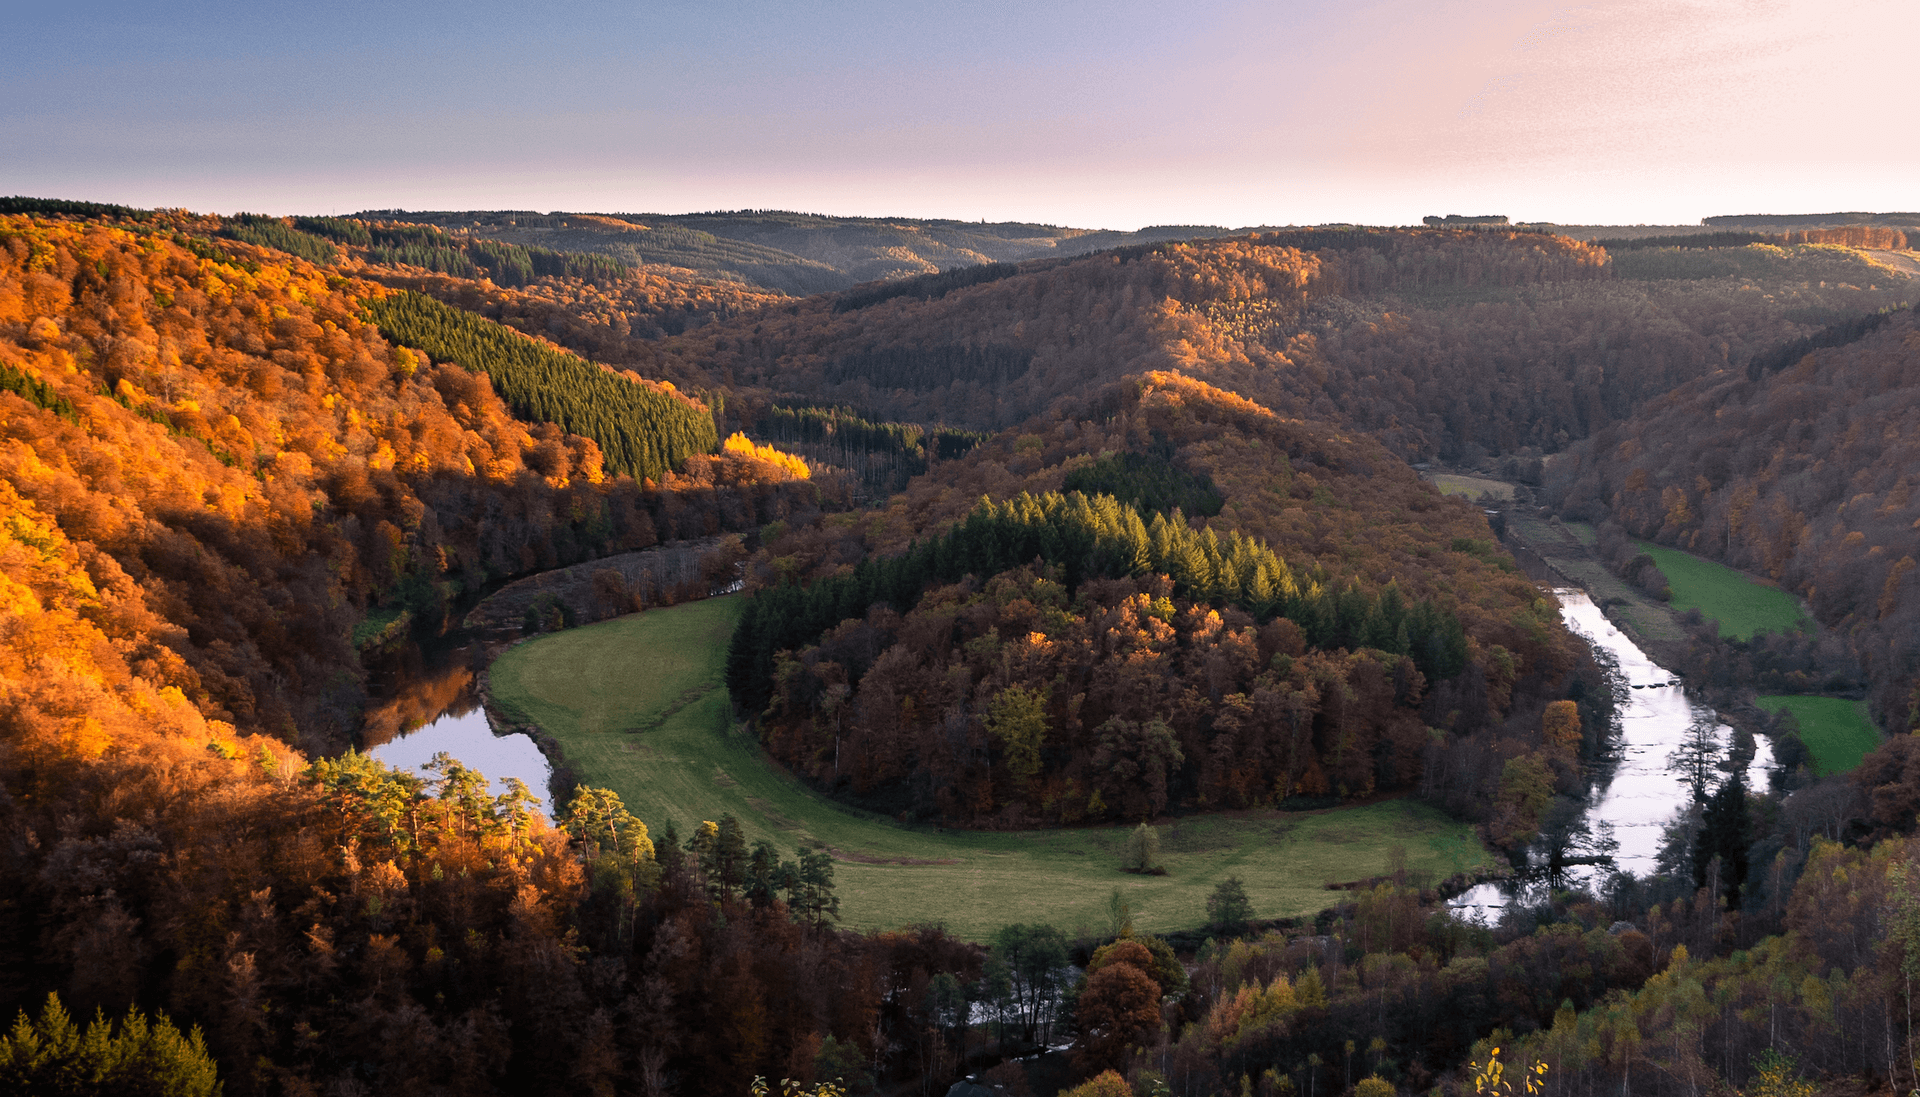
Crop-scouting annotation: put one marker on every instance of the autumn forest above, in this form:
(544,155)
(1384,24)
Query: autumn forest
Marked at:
(1031,531)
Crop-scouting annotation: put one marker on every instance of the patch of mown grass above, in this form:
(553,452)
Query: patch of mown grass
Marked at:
(1473,487)
(638,706)
(1739,605)
(1837,731)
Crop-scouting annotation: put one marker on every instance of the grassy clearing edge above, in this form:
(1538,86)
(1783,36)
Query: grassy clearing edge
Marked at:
(1733,599)
(1838,731)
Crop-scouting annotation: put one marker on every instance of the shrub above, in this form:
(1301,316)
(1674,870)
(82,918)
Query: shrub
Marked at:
(1143,852)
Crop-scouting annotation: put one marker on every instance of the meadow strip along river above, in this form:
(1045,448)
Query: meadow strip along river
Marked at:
(1639,789)
(1634,793)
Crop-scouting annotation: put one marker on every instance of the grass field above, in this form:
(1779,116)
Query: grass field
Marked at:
(638,706)
(1837,731)
(1473,487)
(1741,606)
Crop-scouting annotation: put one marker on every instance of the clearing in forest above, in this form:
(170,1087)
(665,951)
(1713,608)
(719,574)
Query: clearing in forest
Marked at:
(1472,487)
(1732,598)
(638,705)
(1837,731)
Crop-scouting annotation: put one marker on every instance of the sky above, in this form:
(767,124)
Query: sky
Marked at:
(1098,115)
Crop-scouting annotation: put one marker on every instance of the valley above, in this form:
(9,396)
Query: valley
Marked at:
(1038,535)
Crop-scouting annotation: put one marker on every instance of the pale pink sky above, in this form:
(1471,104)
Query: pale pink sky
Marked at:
(1112,115)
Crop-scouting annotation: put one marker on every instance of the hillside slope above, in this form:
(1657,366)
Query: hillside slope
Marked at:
(1298,643)
(1804,473)
(253,468)
(1443,343)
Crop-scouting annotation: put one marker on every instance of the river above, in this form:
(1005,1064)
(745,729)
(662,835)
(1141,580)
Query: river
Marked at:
(431,703)
(1636,791)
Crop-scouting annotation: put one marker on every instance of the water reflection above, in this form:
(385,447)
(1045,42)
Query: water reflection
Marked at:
(468,737)
(430,704)
(1637,793)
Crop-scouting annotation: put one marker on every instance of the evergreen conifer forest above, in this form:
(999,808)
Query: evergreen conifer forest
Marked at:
(1033,530)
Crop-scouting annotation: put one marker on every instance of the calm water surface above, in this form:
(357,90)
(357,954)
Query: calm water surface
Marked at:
(429,702)
(1639,794)
(468,738)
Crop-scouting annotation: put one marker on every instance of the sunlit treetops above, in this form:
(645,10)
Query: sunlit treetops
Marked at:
(739,445)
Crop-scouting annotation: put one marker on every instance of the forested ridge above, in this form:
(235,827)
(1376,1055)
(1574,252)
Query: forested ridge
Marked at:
(1445,344)
(1799,468)
(169,405)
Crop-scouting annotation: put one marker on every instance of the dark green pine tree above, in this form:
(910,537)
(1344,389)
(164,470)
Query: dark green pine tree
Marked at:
(1724,834)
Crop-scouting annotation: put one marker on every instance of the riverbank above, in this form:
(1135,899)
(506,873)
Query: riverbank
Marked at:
(1552,551)
(1567,554)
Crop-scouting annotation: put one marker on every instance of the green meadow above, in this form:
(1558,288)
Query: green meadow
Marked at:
(1473,487)
(639,706)
(1837,731)
(1733,599)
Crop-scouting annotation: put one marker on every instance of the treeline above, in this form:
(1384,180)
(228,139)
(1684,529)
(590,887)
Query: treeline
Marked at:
(1789,220)
(430,248)
(512,265)
(1087,538)
(1853,236)
(67,207)
(636,240)
(1800,470)
(274,232)
(643,430)
(1730,239)
(846,428)
(1851,330)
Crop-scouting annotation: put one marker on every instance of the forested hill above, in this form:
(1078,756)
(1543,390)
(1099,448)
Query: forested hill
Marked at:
(1805,468)
(250,468)
(1332,609)
(1442,343)
(214,471)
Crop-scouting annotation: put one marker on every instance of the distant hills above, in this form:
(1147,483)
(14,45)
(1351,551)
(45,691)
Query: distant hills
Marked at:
(798,253)
(1810,220)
